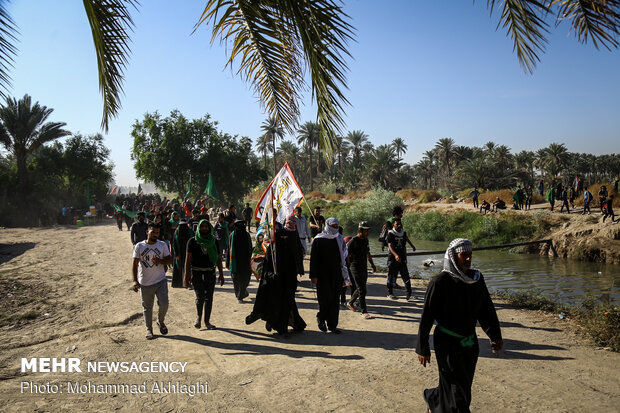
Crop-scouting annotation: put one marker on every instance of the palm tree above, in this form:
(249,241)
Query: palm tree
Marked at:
(308,136)
(502,157)
(384,163)
(289,153)
(272,130)
(489,148)
(526,160)
(445,152)
(475,173)
(23,129)
(342,151)
(276,42)
(263,146)
(555,159)
(399,146)
(358,140)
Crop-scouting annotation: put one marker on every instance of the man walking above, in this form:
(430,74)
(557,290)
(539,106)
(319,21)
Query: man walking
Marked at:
(326,262)
(247,215)
(397,258)
(359,255)
(457,299)
(149,276)
(474,196)
(302,229)
(139,229)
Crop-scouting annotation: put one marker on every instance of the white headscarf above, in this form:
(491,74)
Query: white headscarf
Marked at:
(449,260)
(330,232)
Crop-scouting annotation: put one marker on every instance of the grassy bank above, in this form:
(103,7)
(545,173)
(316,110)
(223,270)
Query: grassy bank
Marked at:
(482,230)
(599,321)
(490,229)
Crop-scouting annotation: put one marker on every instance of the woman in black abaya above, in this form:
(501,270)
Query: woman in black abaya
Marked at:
(275,298)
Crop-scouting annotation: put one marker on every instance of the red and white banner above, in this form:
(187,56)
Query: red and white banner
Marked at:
(287,196)
(113,190)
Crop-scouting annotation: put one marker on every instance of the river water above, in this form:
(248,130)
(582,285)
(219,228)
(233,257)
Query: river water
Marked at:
(563,280)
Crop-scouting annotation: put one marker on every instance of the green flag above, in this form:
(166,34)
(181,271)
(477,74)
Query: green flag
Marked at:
(210,190)
(130,214)
(190,186)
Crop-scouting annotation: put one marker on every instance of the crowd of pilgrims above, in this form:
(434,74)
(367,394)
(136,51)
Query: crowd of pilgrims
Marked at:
(202,240)
(566,195)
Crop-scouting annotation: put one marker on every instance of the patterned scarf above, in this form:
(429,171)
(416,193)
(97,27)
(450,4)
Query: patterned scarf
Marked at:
(449,260)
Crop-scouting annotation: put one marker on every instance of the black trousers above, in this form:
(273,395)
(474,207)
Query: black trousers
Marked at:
(475,202)
(395,267)
(361,278)
(204,286)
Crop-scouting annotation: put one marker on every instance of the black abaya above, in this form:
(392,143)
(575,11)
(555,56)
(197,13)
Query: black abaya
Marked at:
(275,298)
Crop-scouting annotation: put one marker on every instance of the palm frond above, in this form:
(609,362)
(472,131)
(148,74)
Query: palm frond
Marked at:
(598,20)
(275,40)
(524,22)
(8,32)
(110,23)
(324,31)
(269,57)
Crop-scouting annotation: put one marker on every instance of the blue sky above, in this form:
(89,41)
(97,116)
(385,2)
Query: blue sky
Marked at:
(420,70)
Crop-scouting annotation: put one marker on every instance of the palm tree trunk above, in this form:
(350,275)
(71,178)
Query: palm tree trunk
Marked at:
(275,170)
(310,151)
(22,178)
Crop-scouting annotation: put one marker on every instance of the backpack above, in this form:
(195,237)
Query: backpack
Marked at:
(383,234)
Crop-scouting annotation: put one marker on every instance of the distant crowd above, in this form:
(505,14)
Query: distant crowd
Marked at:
(564,194)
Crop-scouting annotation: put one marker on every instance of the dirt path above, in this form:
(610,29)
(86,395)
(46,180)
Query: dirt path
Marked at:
(77,281)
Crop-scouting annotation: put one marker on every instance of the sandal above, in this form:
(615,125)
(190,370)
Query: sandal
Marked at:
(366,316)
(162,328)
(210,326)
(351,307)
(149,335)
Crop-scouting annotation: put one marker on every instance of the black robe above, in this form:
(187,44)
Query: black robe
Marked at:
(240,271)
(179,249)
(275,298)
(456,306)
(326,268)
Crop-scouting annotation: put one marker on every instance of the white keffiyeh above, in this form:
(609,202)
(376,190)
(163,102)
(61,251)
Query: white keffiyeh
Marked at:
(449,260)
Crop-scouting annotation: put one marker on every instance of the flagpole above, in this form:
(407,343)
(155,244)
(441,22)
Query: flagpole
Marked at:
(308,205)
(273,223)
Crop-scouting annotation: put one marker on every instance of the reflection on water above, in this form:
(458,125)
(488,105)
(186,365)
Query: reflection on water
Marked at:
(561,279)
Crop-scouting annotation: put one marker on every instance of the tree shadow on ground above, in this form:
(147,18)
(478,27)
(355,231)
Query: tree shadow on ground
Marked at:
(10,251)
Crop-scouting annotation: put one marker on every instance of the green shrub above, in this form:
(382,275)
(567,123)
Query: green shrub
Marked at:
(375,209)
(430,195)
(480,229)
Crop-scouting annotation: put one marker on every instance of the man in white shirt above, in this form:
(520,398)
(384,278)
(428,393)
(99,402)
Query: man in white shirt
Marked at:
(149,276)
(302,229)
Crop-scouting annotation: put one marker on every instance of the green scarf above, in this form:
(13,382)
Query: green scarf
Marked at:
(208,242)
(174,223)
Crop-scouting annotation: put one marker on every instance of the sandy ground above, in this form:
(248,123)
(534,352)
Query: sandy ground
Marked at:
(77,281)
